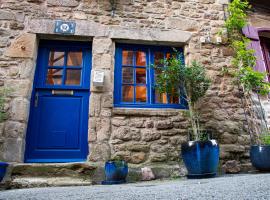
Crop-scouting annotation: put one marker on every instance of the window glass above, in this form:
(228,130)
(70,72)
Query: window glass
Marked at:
(54,76)
(140,58)
(73,77)
(127,57)
(137,81)
(141,94)
(56,58)
(127,75)
(160,98)
(127,93)
(74,59)
(140,75)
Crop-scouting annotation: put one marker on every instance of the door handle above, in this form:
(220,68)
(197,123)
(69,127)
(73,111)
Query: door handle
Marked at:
(36,99)
(62,92)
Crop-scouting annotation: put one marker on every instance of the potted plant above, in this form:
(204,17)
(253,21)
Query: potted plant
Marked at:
(3,169)
(251,83)
(3,115)
(116,171)
(200,154)
(259,154)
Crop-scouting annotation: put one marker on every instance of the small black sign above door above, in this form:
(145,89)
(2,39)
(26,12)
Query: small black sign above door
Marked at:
(64,27)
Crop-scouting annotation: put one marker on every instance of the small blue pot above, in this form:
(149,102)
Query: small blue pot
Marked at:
(115,172)
(3,169)
(260,157)
(201,158)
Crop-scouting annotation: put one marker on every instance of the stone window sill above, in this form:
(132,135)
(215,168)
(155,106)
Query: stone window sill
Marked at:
(147,111)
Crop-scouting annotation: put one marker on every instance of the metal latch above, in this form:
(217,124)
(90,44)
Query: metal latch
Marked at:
(62,92)
(36,99)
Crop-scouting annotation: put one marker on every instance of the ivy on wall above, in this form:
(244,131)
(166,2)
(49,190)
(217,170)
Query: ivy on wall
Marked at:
(244,59)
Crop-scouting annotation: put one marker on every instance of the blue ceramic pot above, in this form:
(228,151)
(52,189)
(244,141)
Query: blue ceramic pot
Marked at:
(3,169)
(201,158)
(260,157)
(115,172)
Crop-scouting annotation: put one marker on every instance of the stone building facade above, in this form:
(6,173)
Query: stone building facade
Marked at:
(143,136)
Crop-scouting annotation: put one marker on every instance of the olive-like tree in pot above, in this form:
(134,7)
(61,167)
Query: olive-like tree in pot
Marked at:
(190,82)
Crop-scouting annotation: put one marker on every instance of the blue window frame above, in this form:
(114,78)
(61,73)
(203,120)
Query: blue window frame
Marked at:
(135,78)
(66,67)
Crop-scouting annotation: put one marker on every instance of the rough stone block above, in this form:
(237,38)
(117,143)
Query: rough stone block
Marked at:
(14,129)
(158,157)
(137,158)
(13,149)
(231,167)
(165,124)
(6,15)
(126,133)
(137,147)
(19,109)
(19,88)
(119,121)
(102,61)
(107,101)
(64,3)
(102,45)
(99,152)
(95,104)
(137,122)
(150,135)
(227,138)
(223,1)
(23,46)
(182,24)
(147,174)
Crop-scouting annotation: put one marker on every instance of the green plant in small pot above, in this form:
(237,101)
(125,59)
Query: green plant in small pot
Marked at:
(252,84)
(3,117)
(200,154)
(116,171)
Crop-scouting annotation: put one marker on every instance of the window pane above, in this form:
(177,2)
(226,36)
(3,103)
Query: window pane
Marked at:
(174,100)
(73,77)
(141,94)
(160,98)
(140,75)
(74,59)
(140,58)
(127,74)
(127,93)
(157,57)
(127,57)
(54,76)
(56,58)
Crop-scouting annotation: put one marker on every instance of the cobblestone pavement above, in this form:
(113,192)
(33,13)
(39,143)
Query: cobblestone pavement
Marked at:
(254,186)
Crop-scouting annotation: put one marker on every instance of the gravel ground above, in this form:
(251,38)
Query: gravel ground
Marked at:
(230,187)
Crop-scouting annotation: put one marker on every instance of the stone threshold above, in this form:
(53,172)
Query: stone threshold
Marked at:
(21,175)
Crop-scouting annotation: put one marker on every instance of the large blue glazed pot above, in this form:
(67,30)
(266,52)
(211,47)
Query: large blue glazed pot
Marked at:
(260,157)
(201,158)
(115,172)
(3,169)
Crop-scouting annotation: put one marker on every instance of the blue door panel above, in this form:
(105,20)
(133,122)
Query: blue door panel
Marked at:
(58,122)
(58,130)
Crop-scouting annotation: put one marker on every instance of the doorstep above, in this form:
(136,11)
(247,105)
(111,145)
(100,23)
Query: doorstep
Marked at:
(29,175)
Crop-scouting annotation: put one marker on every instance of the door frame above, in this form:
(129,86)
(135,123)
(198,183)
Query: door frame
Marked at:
(39,76)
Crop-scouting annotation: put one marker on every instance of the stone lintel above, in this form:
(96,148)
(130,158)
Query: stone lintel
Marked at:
(150,35)
(92,29)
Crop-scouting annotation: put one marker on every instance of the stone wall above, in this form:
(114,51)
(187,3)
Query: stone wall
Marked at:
(141,135)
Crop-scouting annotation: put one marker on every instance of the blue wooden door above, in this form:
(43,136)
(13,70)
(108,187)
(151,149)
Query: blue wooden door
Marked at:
(58,121)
